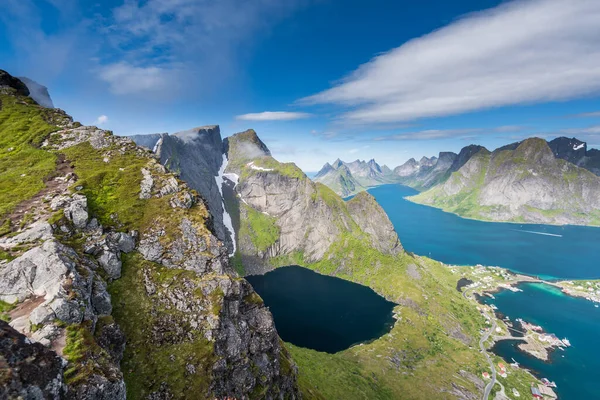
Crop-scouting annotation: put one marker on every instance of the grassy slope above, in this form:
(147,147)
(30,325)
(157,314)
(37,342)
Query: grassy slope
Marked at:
(23,165)
(466,202)
(259,227)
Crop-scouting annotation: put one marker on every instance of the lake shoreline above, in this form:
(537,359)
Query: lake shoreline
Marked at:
(412,200)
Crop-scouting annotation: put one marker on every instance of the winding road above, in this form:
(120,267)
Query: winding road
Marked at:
(490,385)
(488,388)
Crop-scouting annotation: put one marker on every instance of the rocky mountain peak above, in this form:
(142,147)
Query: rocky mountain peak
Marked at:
(10,82)
(245,146)
(535,149)
(324,171)
(206,133)
(447,156)
(337,163)
(465,155)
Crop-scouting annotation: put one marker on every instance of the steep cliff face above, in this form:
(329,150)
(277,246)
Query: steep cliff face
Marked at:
(196,155)
(284,213)
(527,184)
(109,259)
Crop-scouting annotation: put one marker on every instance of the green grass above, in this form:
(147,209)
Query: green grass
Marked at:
(84,356)
(24,168)
(260,228)
(236,261)
(5,308)
(110,191)
(146,363)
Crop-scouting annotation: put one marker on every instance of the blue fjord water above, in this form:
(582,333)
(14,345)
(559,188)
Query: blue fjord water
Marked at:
(553,252)
(576,369)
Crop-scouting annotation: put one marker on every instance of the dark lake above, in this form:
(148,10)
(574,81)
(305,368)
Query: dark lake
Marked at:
(322,312)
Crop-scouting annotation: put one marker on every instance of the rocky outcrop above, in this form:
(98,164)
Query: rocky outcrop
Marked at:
(527,184)
(7,81)
(29,370)
(371,219)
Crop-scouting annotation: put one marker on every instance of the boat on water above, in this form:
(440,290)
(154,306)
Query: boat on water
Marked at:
(493,307)
(491,296)
(548,383)
(566,342)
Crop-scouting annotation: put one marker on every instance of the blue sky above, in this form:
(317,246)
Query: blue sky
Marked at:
(319,79)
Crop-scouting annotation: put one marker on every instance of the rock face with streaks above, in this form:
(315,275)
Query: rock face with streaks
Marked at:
(283,213)
(196,156)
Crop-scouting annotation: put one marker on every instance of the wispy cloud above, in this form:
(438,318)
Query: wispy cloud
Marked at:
(273,116)
(356,150)
(428,134)
(435,134)
(520,52)
(124,78)
(101,120)
(595,114)
(590,130)
(333,135)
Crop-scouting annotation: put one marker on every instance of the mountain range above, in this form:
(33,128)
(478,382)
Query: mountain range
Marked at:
(533,181)
(350,178)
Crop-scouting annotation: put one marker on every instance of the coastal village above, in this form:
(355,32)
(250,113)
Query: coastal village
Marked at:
(479,284)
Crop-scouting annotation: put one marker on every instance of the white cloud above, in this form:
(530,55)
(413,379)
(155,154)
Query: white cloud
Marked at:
(356,150)
(520,52)
(101,120)
(273,116)
(124,78)
(590,130)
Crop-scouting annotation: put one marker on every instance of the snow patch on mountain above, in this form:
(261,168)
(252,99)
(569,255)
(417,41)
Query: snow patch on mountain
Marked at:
(226,217)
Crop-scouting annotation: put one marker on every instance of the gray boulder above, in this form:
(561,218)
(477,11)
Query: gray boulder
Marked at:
(76,211)
(110,261)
